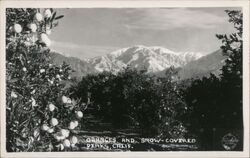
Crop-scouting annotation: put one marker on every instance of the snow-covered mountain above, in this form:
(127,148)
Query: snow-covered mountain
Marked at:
(153,59)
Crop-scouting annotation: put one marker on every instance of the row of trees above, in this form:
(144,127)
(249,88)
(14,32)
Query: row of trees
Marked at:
(133,98)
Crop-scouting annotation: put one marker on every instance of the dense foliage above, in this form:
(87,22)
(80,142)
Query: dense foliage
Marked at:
(39,115)
(135,99)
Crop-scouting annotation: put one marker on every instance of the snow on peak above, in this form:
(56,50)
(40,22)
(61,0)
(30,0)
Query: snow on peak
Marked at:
(190,56)
(152,58)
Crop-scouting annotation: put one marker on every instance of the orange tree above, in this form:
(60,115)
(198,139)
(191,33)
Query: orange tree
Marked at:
(216,102)
(39,115)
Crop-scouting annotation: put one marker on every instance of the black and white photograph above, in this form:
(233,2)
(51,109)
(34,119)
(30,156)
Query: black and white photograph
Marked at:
(125,79)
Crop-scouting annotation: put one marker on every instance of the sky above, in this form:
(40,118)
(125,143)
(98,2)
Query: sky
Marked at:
(91,32)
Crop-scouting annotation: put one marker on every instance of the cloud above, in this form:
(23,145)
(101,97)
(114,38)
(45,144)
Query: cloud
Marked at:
(167,19)
(91,32)
(80,51)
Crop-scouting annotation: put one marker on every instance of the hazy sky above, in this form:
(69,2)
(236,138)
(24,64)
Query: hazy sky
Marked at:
(87,33)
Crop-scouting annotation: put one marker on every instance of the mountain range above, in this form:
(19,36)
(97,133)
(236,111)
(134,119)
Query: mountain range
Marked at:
(153,59)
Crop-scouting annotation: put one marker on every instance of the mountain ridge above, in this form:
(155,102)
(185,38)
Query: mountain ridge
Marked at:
(154,59)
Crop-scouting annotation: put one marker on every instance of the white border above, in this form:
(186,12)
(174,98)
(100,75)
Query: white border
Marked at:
(129,4)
